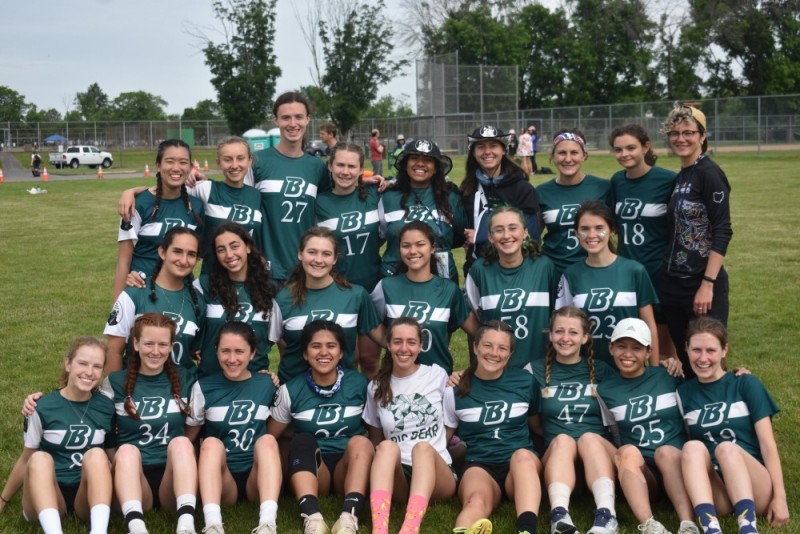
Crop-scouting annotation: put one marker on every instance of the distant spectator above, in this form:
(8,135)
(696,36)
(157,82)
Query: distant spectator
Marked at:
(525,150)
(327,133)
(535,146)
(513,143)
(376,152)
(396,151)
(36,161)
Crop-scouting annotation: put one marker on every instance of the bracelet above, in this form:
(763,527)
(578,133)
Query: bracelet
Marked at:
(3,499)
(709,279)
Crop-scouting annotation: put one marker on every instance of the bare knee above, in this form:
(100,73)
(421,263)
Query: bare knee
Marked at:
(360,447)
(40,461)
(563,442)
(95,457)
(423,449)
(667,456)
(727,452)
(266,444)
(629,457)
(387,449)
(212,446)
(127,454)
(694,450)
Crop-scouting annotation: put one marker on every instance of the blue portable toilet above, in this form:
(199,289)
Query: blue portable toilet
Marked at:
(259,139)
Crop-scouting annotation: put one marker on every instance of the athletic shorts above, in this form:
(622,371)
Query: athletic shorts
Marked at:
(331,460)
(241,484)
(498,472)
(69,491)
(407,470)
(154,474)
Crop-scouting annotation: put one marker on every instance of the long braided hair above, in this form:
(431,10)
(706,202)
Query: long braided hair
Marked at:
(154,320)
(530,249)
(162,147)
(169,237)
(297,279)
(573,313)
(465,384)
(383,380)
(258,282)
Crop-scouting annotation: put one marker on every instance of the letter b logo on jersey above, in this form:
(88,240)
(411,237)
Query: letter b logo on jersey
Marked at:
(713,414)
(631,208)
(419,310)
(328,414)
(566,215)
(241,411)
(293,186)
(322,315)
(640,407)
(169,224)
(78,437)
(151,407)
(600,299)
(512,300)
(241,214)
(494,412)
(570,391)
(351,221)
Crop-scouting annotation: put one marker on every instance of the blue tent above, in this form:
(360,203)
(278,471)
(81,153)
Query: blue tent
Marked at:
(55,138)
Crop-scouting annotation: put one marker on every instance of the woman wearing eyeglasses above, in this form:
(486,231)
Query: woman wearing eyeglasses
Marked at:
(694,282)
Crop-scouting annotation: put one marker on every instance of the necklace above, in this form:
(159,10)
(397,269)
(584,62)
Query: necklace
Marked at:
(72,407)
(170,297)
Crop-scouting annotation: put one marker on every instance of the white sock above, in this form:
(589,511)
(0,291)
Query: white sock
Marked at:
(603,491)
(268,512)
(98,518)
(212,514)
(559,494)
(133,506)
(186,520)
(50,521)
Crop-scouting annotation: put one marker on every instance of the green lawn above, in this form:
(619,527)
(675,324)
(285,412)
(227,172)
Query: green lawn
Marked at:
(57,264)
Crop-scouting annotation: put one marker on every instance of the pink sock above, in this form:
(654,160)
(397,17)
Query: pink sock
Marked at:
(417,506)
(381,503)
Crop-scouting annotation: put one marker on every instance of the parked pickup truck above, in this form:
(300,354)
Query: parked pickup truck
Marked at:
(78,155)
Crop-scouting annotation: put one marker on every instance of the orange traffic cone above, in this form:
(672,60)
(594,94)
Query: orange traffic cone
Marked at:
(99,172)
(205,165)
(2,179)
(147,171)
(45,176)
(196,166)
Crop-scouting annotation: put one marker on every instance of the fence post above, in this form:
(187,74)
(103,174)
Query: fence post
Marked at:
(758,129)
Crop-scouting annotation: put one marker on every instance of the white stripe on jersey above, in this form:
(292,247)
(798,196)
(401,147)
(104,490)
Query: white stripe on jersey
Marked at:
(295,323)
(469,415)
(518,408)
(534,299)
(490,302)
(54,436)
(347,320)
(738,409)
(691,417)
(216,413)
(550,216)
(151,229)
(216,311)
(262,412)
(370,217)
(667,400)
(172,407)
(217,212)
(394,216)
(649,210)
(551,391)
(330,224)
(625,298)
(276,186)
(439,315)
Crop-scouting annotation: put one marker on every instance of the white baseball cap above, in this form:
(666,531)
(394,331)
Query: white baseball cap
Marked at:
(634,329)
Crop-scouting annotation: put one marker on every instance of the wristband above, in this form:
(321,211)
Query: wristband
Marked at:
(709,279)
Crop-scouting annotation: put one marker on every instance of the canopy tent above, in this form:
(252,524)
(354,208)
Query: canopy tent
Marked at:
(55,138)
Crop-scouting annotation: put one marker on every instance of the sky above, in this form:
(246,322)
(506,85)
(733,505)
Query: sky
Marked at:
(53,50)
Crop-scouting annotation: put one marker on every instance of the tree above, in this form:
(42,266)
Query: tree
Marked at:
(243,65)
(542,69)
(93,104)
(387,107)
(12,105)
(138,106)
(204,110)
(357,49)
(42,115)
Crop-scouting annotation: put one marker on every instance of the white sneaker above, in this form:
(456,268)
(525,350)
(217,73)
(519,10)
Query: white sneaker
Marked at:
(651,526)
(561,522)
(185,530)
(346,524)
(604,523)
(214,529)
(314,524)
(688,527)
(265,528)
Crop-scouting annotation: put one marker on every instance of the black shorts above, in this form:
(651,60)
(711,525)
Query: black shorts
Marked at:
(241,484)
(69,491)
(331,460)
(650,465)
(154,474)
(498,472)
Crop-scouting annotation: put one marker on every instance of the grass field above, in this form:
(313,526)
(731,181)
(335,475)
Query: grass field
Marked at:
(57,265)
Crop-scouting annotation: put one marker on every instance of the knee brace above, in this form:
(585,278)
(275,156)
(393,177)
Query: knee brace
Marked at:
(304,454)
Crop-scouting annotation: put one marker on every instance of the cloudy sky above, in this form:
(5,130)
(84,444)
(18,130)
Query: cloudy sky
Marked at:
(53,50)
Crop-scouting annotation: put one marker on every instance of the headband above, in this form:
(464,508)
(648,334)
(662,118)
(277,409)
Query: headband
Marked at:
(569,136)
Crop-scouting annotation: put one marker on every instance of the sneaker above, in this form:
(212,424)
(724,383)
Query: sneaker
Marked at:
(185,530)
(214,529)
(604,522)
(139,531)
(314,524)
(688,527)
(346,524)
(481,526)
(651,526)
(265,528)
(561,522)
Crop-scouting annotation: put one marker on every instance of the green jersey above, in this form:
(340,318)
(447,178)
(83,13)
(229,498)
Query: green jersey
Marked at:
(569,404)
(177,305)
(645,409)
(289,188)
(438,305)
(421,206)
(160,417)
(355,224)
(607,295)
(349,307)
(521,296)
(224,203)
(332,420)
(726,410)
(265,327)
(559,205)
(147,234)
(492,418)
(66,430)
(641,208)
(235,412)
